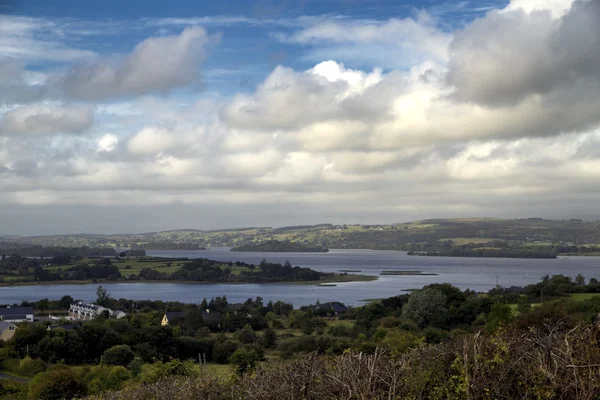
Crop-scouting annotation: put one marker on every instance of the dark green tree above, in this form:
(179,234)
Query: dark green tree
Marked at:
(43,304)
(118,355)
(102,296)
(427,307)
(65,302)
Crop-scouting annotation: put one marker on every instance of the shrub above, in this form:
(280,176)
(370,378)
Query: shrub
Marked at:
(268,338)
(61,382)
(246,335)
(162,370)
(245,358)
(118,355)
(435,335)
(104,377)
(222,350)
(13,390)
(31,366)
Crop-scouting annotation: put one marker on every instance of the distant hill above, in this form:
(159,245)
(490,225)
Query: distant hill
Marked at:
(426,235)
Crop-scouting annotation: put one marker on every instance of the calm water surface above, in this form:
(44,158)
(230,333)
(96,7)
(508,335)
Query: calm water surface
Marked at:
(480,274)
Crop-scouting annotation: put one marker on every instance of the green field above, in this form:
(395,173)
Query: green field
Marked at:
(584,296)
(475,240)
(335,279)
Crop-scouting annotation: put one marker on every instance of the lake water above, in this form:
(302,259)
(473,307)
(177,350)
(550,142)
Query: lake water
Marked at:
(480,274)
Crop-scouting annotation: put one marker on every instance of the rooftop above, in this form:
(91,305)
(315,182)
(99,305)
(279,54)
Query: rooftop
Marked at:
(4,325)
(11,311)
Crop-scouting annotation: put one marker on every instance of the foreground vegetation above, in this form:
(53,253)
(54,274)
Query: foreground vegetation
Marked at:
(537,342)
(554,361)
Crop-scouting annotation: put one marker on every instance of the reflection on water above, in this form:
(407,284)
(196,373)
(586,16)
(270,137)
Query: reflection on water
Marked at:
(480,274)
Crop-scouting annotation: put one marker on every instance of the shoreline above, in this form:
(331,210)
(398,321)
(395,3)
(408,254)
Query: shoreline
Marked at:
(335,279)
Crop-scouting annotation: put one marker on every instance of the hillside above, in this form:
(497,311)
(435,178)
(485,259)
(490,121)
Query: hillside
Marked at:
(281,247)
(427,235)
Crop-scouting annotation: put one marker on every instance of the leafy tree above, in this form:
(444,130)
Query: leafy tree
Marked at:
(43,304)
(103,296)
(427,307)
(65,302)
(118,355)
(580,280)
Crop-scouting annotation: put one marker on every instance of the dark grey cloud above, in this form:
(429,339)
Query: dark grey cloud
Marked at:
(507,56)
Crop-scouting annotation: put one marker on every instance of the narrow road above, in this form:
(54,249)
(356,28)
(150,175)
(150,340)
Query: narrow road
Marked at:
(14,378)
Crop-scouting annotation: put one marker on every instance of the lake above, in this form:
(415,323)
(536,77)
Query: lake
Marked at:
(480,274)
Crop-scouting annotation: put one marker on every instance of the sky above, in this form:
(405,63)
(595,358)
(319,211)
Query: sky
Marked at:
(207,115)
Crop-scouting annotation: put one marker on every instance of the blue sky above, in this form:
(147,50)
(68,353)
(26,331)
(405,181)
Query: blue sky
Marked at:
(163,115)
(248,49)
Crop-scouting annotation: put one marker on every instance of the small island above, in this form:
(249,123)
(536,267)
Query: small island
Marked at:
(281,246)
(67,269)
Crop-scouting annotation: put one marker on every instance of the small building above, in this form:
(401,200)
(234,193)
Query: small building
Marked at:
(119,314)
(335,308)
(170,316)
(16,314)
(212,318)
(86,312)
(7,330)
(67,327)
(209,317)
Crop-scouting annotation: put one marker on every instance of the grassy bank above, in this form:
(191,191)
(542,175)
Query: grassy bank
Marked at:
(332,279)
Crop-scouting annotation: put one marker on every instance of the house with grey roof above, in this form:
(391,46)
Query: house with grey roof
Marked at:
(16,314)
(7,330)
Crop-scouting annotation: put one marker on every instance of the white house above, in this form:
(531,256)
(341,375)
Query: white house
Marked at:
(86,311)
(16,314)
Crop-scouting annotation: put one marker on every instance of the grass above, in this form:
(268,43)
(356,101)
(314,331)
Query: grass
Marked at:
(340,322)
(335,279)
(590,254)
(466,240)
(407,273)
(223,371)
(584,296)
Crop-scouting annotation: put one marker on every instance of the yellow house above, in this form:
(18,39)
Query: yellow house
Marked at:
(170,316)
(7,330)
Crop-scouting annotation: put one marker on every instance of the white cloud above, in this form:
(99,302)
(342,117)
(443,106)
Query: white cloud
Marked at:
(558,8)
(288,99)
(107,143)
(393,43)
(486,129)
(36,39)
(41,120)
(151,140)
(156,64)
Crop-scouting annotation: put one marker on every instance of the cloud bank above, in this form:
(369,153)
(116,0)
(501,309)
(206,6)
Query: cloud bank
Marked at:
(497,118)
